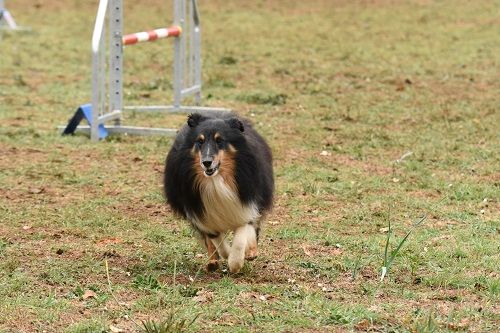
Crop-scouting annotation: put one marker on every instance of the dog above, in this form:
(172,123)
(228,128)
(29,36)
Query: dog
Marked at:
(219,176)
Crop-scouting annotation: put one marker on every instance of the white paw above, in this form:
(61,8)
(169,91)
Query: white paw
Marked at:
(235,262)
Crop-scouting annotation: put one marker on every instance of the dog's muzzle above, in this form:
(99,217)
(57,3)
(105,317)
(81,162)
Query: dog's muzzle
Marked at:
(209,168)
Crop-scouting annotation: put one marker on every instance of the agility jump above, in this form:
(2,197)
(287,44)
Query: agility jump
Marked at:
(107,99)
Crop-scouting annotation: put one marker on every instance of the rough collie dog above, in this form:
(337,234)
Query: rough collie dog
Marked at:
(219,176)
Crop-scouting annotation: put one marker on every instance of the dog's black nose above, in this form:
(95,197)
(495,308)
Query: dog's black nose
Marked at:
(207,164)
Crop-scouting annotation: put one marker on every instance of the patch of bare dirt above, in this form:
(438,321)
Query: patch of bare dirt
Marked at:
(137,208)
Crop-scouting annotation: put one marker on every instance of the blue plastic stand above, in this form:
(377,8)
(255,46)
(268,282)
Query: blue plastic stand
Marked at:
(84,111)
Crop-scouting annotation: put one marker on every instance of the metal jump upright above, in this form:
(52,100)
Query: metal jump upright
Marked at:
(107,98)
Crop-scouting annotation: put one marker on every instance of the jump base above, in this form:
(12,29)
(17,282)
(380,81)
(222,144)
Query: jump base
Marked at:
(129,130)
(85,112)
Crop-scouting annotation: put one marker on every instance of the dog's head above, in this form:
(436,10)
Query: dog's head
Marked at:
(214,142)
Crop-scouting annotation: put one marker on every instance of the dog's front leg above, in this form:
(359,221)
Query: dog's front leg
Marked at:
(213,255)
(236,257)
(222,245)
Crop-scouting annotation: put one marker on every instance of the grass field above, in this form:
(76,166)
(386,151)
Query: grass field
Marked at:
(377,111)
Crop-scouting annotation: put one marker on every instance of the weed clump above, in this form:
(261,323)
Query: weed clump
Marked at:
(171,324)
(263,99)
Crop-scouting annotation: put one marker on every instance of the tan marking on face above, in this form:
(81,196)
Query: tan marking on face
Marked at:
(232,149)
(217,135)
(200,137)
(227,168)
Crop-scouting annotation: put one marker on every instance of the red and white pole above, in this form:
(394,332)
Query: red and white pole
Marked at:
(151,35)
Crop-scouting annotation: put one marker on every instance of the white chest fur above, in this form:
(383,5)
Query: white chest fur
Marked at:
(223,208)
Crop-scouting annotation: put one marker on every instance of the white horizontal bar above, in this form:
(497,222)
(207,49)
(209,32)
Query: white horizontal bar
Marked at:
(173,109)
(17,28)
(190,90)
(151,108)
(135,130)
(110,116)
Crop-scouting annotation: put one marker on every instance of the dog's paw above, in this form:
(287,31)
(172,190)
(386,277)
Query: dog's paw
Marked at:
(251,253)
(212,265)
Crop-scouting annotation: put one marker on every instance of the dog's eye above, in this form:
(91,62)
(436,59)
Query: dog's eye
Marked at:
(218,140)
(200,141)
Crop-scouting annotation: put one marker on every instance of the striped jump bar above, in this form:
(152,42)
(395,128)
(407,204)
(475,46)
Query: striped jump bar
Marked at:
(151,35)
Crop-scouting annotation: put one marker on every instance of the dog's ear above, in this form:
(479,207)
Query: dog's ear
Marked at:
(235,123)
(194,119)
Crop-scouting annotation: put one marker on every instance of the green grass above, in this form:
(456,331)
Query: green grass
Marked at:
(342,91)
